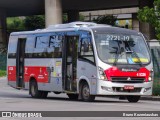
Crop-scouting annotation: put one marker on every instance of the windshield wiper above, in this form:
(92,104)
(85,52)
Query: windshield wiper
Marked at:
(117,54)
(116,58)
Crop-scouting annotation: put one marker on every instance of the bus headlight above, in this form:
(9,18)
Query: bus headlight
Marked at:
(102,75)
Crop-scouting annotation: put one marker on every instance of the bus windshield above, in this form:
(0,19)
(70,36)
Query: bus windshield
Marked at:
(122,49)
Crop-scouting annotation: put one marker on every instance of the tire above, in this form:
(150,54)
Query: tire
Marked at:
(57,93)
(73,96)
(122,97)
(44,94)
(133,99)
(85,93)
(35,93)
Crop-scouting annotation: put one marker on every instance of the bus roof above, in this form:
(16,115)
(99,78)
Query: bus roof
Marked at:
(77,26)
(114,30)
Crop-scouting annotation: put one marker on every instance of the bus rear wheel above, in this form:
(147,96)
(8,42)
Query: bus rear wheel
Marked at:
(35,93)
(85,93)
(133,99)
(73,96)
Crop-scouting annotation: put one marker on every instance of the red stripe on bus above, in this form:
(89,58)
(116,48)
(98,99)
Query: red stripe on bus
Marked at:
(115,72)
(40,73)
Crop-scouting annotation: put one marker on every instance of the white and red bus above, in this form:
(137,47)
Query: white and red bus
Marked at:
(81,59)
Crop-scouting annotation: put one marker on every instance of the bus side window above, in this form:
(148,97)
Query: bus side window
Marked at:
(55,45)
(42,42)
(56,41)
(12,48)
(41,45)
(30,44)
(86,50)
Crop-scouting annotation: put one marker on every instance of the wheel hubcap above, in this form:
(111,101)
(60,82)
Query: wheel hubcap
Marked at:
(86,92)
(33,89)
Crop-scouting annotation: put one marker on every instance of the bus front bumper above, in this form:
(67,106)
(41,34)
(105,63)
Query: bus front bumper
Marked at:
(110,88)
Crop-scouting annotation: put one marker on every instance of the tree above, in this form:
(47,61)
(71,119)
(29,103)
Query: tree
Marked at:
(34,22)
(38,21)
(15,24)
(151,16)
(65,18)
(81,17)
(105,19)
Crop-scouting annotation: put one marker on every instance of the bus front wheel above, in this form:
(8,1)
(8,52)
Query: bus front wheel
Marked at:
(133,99)
(85,93)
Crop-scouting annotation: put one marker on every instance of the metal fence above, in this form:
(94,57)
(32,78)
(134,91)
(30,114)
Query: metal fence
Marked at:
(155,52)
(3,61)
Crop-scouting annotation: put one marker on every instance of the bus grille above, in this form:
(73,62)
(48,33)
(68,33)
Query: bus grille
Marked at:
(120,89)
(128,79)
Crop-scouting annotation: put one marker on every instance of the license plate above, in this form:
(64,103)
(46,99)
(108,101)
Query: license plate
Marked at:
(128,87)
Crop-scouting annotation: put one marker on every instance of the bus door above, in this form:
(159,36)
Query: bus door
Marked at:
(20,63)
(69,67)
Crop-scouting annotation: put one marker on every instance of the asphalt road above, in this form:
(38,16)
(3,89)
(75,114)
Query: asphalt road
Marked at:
(19,100)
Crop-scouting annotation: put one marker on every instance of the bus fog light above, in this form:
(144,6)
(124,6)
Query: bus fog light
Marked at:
(106,88)
(102,78)
(146,89)
(150,79)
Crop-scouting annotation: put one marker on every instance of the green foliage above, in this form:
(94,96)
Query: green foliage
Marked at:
(156,86)
(81,17)
(25,23)
(2,73)
(31,22)
(65,18)
(151,16)
(34,22)
(105,19)
(15,24)
(148,15)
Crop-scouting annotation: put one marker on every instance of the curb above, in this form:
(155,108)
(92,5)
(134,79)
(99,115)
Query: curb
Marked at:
(152,98)
(3,77)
